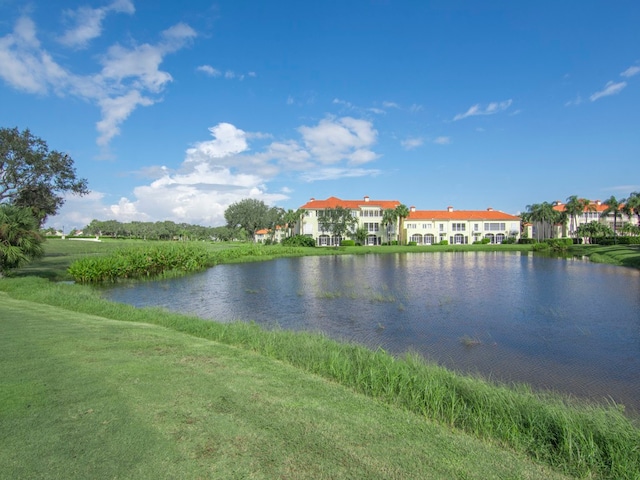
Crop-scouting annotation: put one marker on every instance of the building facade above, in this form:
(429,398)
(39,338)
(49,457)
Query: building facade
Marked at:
(368,213)
(424,227)
(460,227)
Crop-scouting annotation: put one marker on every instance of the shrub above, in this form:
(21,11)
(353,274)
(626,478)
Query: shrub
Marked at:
(347,243)
(412,244)
(527,241)
(299,241)
(443,242)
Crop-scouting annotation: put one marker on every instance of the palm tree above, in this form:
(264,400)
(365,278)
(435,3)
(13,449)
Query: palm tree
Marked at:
(291,218)
(543,214)
(632,206)
(613,206)
(19,237)
(575,206)
(389,217)
(402,211)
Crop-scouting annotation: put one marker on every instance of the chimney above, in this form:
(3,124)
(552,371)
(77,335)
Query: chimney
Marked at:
(449,209)
(366,198)
(490,209)
(412,208)
(598,202)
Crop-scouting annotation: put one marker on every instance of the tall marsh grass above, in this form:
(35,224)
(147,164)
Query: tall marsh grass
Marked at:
(157,259)
(582,440)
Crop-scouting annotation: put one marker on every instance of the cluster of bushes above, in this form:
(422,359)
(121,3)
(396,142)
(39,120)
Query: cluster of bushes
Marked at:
(298,241)
(619,241)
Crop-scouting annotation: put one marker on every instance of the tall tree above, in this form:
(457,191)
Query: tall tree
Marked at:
(402,211)
(19,237)
(249,214)
(632,206)
(389,217)
(34,177)
(613,206)
(542,214)
(291,219)
(574,207)
(338,221)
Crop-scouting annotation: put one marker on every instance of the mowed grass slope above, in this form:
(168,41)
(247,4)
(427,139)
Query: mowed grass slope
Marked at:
(82,396)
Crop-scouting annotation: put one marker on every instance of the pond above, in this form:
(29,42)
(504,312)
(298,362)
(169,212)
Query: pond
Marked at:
(561,324)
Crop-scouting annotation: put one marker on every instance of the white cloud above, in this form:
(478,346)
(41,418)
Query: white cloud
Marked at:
(338,173)
(442,140)
(346,138)
(209,70)
(388,104)
(575,102)
(610,88)
(224,169)
(127,78)
(492,108)
(228,140)
(412,142)
(87,22)
(630,72)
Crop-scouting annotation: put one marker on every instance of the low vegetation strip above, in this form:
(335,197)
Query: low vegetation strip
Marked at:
(577,439)
(83,397)
(162,258)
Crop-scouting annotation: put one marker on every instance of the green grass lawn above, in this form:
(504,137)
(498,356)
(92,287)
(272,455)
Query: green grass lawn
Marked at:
(82,396)
(92,389)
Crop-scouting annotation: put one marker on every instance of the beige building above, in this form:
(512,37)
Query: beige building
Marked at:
(423,227)
(368,212)
(459,227)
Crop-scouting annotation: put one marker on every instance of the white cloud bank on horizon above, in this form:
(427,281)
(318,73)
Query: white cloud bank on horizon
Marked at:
(224,169)
(129,76)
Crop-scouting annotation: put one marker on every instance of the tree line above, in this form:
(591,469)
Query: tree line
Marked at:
(546,216)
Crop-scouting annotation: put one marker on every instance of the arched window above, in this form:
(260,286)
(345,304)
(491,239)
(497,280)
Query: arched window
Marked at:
(491,237)
(458,239)
(500,238)
(429,239)
(323,240)
(416,237)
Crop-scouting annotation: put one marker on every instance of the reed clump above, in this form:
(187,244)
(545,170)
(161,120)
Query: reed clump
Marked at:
(164,258)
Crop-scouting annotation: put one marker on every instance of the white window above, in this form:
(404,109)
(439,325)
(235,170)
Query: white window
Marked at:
(494,227)
(458,227)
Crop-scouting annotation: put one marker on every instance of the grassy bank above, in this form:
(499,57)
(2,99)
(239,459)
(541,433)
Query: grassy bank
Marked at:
(583,441)
(622,255)
(84,396)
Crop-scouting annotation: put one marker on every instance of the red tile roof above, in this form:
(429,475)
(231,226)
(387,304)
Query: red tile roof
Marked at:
(596,206)
(333,202)
(461,215)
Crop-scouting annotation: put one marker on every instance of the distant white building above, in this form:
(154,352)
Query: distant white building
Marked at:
(460,227)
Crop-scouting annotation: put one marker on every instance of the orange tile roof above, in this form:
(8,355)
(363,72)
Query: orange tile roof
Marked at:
(596,206)
(461,215)
(333,202)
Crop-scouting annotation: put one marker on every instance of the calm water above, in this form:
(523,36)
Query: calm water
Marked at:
(559,324)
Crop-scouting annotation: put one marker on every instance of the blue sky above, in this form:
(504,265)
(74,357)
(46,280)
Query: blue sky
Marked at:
(174,110)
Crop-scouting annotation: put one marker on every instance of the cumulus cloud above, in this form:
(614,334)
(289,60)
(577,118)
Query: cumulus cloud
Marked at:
(86,22)
(130,76)
(209,70)
(346,138)
(492,108)
(229,167)
(609,89)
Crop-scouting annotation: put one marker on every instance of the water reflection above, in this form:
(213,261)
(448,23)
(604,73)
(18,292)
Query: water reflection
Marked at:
(562,324)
